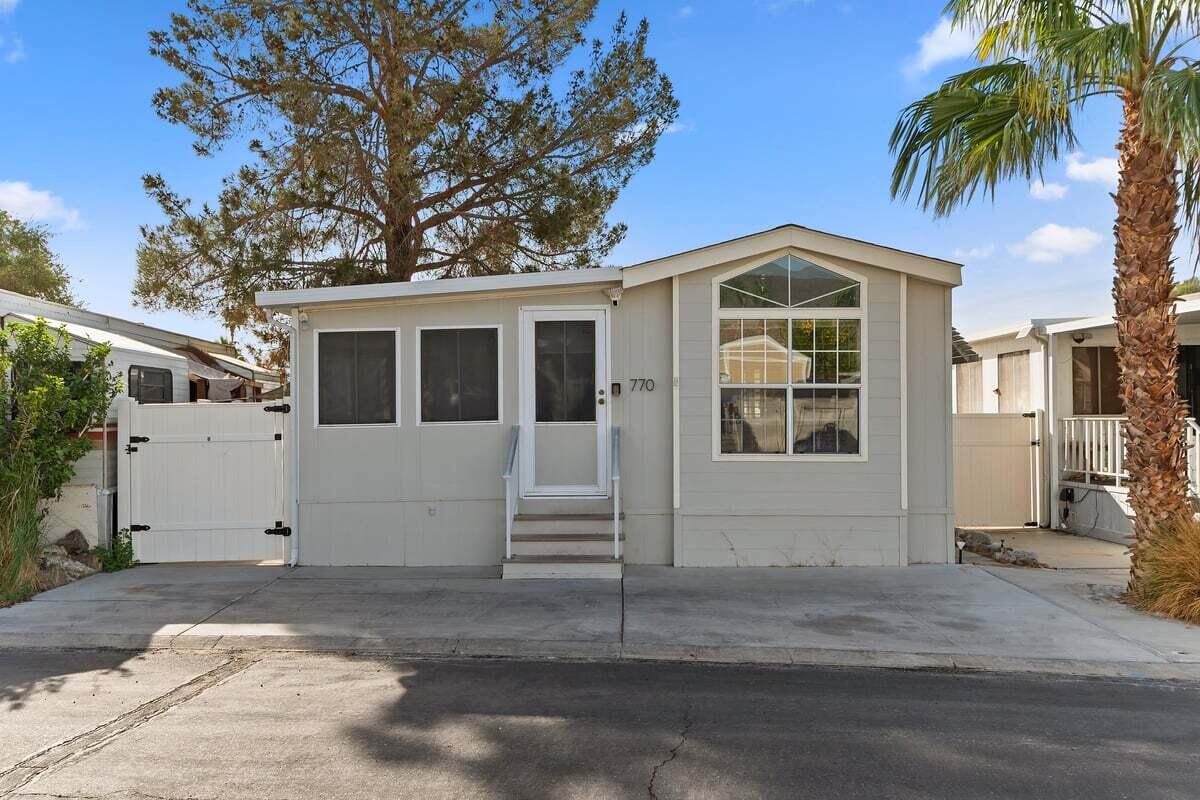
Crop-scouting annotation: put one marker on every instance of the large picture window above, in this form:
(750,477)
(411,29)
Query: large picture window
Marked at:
(460,374)
(790,361)
(1095,381)
(356,377)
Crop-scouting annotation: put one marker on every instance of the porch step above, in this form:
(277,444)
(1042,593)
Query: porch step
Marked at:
(562,567)
(563,544)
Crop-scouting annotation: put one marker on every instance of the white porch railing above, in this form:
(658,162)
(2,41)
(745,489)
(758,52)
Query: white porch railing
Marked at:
(1092,450)
(512,487)
(615,455)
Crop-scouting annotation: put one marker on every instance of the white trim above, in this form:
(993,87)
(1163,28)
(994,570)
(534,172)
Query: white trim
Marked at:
(675,448)
(903,555)
(412,289)
(935,270)
(948,401)
(499,327)
(802,312)
(526,316)
(316,364)
(904,392)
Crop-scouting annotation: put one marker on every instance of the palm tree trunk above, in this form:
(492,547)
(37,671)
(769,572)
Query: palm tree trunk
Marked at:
(1147,206)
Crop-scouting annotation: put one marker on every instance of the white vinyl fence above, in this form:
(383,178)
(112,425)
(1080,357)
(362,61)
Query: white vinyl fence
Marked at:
(204,481)
(997,470)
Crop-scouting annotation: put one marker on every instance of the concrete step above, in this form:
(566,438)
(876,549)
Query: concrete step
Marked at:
(586,567)
(564,523)
(566,505)
(563,544)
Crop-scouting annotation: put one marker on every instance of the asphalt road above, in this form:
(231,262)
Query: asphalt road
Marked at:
(171,725)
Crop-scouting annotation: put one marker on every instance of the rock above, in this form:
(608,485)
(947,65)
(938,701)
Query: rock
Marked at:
(56,560)
(975,538)
(1024,558)
(75,543)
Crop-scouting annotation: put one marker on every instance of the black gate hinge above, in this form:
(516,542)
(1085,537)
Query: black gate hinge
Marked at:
(1035,443)
(283,408)
(279,530)
(138,439)
(1029,415)
(136,528)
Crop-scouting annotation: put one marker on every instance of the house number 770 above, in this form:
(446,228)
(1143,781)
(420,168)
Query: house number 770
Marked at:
(642,384)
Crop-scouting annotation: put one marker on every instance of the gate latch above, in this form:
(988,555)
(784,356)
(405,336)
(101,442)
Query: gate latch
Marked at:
(279,530)
(1035,443)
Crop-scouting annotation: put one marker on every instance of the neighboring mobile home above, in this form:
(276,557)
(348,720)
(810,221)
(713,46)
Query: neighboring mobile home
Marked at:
(779,399)
(1080,470)
(155,366)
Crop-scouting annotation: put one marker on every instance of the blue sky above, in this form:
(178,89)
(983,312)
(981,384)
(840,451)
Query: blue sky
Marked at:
(786,107)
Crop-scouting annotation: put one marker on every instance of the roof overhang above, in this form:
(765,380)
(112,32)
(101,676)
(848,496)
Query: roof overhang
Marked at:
(927,268)
(795,237)
(416,290)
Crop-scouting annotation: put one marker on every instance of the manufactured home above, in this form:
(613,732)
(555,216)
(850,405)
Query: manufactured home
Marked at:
(1061,374)
(781,399)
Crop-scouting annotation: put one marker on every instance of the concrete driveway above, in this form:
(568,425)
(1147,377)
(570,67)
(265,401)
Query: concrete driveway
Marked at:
(955,617)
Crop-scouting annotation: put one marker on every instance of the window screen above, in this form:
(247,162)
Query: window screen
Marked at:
(150,384)
(460,377)
(356,378)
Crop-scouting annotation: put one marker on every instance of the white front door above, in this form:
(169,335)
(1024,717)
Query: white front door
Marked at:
(564,402)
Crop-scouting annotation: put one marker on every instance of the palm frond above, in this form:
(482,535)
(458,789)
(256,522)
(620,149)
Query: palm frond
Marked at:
(981,127)
(1171,107)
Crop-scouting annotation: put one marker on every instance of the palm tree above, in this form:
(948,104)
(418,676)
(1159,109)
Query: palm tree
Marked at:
(1041,62)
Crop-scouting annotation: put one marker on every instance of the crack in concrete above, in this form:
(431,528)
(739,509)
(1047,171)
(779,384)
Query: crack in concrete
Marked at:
(86,743)
(672,753)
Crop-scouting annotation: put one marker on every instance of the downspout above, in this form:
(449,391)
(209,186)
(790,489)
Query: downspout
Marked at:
(1045,430)
(293,329)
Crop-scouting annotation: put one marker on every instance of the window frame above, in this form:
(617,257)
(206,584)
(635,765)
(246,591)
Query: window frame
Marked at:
(170,384)
(316,373)
(499,374)
(803,312)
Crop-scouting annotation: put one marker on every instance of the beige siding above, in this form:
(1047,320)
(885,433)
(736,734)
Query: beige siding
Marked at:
(930,519)
(968,382)
(808,512)
(1013,382)
(432,495)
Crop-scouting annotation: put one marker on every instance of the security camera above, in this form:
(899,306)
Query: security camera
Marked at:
(1079,337)
(614,294)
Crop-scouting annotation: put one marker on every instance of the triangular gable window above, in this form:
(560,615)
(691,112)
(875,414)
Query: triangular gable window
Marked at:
(789,282)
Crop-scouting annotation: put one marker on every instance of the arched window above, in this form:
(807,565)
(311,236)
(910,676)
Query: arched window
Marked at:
(790,361)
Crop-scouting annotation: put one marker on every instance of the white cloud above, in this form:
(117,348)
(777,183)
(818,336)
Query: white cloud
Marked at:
(12,50)
(8,6)
(1051,243)
(32,205)
(1040,190)
(686,11)
(977,253)
(1098,170)
(679,127)
(945,42)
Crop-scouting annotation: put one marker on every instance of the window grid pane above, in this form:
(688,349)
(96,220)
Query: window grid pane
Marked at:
(822,361)
(356,378)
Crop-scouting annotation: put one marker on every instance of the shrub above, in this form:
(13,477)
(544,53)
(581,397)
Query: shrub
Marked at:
(47,405)
(1169,572)
(119,555)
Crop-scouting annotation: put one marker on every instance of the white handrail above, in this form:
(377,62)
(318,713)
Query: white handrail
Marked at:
(512,469)
(616,487)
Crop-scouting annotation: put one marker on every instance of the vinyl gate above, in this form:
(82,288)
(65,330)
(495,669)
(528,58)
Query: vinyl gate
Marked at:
(997,470)
(204,481)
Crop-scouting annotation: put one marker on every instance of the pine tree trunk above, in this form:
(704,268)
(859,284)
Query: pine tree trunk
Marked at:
(1147,204)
